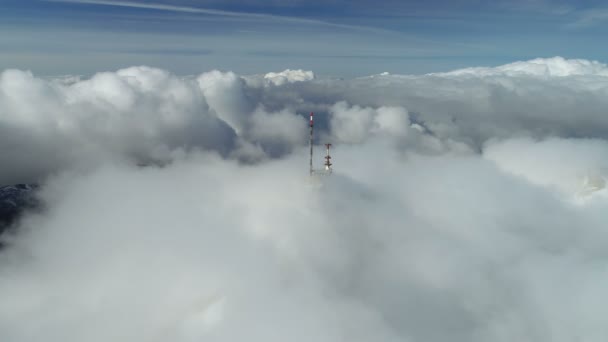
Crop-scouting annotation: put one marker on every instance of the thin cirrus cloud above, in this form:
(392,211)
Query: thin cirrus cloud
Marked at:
(215,12)
(590,18)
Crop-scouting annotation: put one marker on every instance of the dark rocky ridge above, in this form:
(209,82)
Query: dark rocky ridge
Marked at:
(14,200)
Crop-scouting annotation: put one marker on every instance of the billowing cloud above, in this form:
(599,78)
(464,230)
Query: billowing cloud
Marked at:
(289,76)
(180,209)
(540,67)
(569,165)
(355,124)
(139,113)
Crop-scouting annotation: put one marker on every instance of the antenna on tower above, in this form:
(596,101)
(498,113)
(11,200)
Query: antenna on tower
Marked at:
(312,125)
(328,159)
(328,170)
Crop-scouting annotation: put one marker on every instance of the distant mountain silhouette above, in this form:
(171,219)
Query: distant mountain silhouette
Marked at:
(14,199)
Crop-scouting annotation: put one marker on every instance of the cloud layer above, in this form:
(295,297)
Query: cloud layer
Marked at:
(466,206)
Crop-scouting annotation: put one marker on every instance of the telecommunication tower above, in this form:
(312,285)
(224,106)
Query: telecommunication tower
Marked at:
(328,170)
(328,159)
(312,126)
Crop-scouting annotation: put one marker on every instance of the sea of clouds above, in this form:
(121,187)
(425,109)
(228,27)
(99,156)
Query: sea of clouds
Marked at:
(466,206)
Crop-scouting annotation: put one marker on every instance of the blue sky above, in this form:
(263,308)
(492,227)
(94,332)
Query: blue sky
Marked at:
(332,37)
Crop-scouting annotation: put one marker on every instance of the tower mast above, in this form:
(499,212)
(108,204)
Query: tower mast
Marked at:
(328,159)
(311,140)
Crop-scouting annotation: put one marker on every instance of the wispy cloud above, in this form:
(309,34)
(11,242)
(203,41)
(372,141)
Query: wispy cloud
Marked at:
(590,17)
(216,12)
(547,7)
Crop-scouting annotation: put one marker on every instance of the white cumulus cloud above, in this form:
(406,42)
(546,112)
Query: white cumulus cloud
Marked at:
(289,76)
(540,67)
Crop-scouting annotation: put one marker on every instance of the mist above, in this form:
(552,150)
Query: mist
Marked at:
(465,206)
